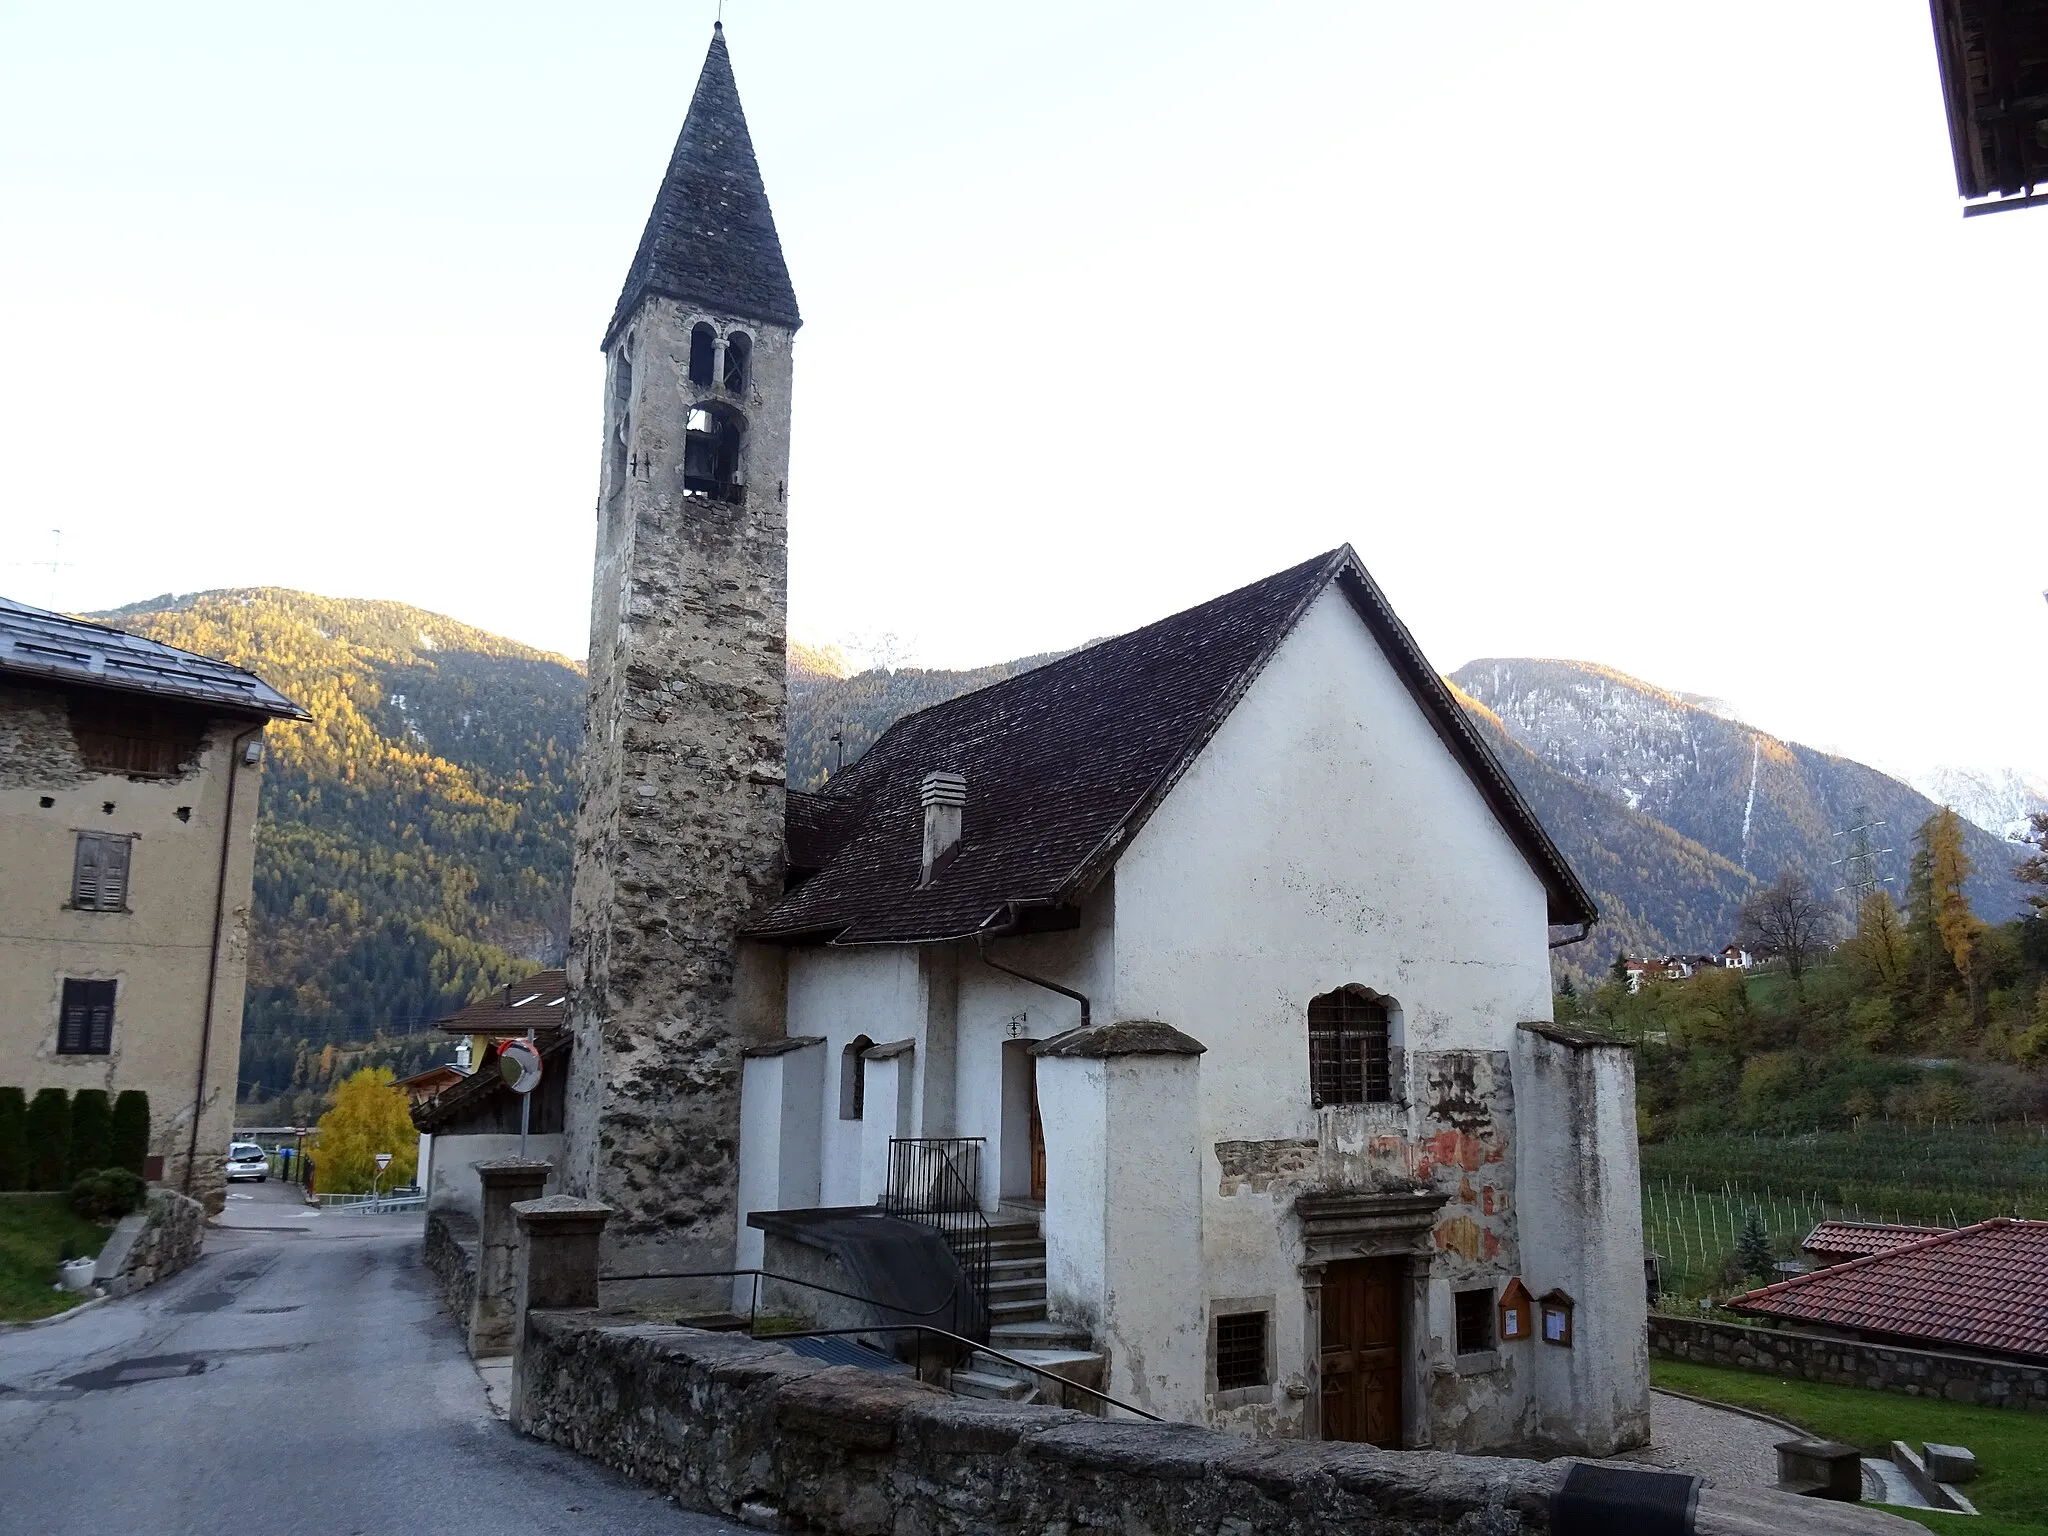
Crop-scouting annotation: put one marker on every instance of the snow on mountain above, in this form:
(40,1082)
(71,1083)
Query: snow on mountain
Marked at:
(2002,801)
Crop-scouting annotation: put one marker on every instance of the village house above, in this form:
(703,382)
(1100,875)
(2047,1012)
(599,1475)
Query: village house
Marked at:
(1198,983)
(472,1115)
(129,776)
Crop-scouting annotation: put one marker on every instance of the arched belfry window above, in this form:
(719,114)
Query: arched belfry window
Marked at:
(712,440)
(739,361)
(622,413)
(853,1079)
(703,347)
(1350,1048)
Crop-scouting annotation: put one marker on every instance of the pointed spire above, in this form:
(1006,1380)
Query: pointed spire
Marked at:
(711,239)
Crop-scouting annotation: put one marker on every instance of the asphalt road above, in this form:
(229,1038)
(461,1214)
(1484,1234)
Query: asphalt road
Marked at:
(288,1382)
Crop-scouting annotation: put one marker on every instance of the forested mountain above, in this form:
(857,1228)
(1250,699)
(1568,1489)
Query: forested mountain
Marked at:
(413,845)
(415,838)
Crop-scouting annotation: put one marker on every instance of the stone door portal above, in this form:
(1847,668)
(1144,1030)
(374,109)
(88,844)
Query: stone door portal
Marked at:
(1361,1354)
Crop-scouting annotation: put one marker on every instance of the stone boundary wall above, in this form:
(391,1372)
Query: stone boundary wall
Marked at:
(750,1430)
(1850,1363)
(152,1244)
(450,1255)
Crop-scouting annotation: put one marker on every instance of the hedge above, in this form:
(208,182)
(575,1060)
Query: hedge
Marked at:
(128,1146)
(49,1139)
(13,1139)
(92,1132)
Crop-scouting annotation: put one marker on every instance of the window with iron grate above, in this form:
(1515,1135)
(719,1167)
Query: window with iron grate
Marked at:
(1475,1321)
(1240,1350)
(1350,1053)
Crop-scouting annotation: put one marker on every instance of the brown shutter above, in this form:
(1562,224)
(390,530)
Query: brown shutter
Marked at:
(85,873)
(99,1032)
(114,873)
(85,1022)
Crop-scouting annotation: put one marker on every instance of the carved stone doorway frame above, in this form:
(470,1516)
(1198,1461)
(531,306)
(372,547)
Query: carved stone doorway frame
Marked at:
(1335,1227)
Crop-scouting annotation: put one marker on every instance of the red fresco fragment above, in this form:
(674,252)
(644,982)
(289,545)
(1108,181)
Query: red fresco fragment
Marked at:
(1489,1241)
(1486,1199)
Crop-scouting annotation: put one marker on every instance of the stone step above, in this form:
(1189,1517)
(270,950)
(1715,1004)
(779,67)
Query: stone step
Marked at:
(1020,1248)
(1018,1337)
(1007,1269)
(1014,1287)
(1017,1309)
(991,1386)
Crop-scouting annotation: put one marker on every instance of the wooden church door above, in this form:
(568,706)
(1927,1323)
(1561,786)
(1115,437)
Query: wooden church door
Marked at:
(1361,1361)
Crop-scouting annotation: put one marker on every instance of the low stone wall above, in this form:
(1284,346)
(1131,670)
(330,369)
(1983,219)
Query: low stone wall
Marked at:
(752,1431)
(152,1244)
(1849,1363)
(451,1256)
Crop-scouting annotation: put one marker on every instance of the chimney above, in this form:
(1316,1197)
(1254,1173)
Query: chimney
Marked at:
(945,800)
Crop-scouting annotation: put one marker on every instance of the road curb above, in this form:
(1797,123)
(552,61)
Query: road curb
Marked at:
(55,1317)
(1747,1413)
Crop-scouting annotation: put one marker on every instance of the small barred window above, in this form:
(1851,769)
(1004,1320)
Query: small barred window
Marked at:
(1475,1321)
(1240,1350)
(1350,1055)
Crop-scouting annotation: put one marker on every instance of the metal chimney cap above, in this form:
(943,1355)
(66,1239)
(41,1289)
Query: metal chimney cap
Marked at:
(943,789)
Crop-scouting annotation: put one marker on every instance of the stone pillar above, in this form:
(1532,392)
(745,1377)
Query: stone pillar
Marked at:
(1415,1367)
(556,1268)
(505,1182)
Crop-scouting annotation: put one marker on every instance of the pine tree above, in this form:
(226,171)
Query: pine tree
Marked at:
(49,1139)
(128,1141)
(13,1139)
(1753,1247)
(92,1132)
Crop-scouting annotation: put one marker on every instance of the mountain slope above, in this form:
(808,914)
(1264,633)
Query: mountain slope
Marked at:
(1760,803)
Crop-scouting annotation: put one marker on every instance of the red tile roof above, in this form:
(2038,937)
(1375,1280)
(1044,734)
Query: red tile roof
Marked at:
(1981,1288)
(1859,1239)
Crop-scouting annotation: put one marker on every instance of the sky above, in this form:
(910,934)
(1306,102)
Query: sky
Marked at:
(1647,335)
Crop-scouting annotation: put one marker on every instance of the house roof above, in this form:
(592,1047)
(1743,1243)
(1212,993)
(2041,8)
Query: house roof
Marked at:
(1980,1288)
(710,238)
(539,1002)
(1858,1238)
(1994,74)
(56,648)
(1066,762)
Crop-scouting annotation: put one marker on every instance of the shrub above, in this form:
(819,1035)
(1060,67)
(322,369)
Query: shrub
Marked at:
(92,1131)
(13,1139)
(129,1146)
(105,1194)
(49,1139)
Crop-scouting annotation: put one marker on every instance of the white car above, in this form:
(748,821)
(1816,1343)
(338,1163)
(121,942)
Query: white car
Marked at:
(246,1160)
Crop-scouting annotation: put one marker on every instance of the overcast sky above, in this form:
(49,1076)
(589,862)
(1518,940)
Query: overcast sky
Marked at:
(1643,334)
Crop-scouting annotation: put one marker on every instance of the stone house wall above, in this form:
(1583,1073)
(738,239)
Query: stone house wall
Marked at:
(450,1256)
(1975,1379)
(152,1244)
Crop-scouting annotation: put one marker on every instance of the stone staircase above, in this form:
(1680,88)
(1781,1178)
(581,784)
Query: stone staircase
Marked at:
(1018,1327)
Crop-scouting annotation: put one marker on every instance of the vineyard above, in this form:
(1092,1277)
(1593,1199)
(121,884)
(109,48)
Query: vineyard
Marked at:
(1699,1191)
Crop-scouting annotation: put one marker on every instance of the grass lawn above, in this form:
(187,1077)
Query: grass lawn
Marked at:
(2011,1445)
(32,1229)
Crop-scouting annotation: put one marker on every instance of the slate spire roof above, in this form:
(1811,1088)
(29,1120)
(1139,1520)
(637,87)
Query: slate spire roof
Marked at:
(711,239)
(1065,763)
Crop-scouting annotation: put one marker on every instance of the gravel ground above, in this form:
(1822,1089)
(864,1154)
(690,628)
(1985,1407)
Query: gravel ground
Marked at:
(1729,1450)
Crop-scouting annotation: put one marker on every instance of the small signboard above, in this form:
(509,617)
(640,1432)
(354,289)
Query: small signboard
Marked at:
(1555,1308)
(383,1161)
(1517,1309)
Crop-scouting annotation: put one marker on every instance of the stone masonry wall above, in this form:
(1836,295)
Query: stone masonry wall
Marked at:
(1849,1363)
(679,826)
(153,1244)
(749,1430)
(450,1256)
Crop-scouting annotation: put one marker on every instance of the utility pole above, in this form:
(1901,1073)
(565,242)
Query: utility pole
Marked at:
(1858,868)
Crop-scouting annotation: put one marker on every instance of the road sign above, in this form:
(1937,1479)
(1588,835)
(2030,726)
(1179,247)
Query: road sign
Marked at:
(519,1062)
(383,1161)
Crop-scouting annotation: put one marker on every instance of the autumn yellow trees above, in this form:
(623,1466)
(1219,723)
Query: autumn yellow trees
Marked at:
(369,1116)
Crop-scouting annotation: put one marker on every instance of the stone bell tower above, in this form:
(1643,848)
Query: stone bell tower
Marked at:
(679,829)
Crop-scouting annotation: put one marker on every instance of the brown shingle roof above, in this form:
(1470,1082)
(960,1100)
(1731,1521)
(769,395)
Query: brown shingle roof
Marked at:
(538,1003)
(1065,763)
(1980,1288)
(1859,1239)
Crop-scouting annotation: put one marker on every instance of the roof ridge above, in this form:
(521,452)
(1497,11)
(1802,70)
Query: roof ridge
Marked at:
(1919,1245)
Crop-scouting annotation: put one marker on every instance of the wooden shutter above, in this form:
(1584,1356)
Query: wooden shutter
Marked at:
(114,873)
(85,874)
(85,1026)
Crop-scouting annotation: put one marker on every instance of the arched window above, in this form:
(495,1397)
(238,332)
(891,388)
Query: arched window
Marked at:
(1350,1050)
(853,1083)
(622,408)
(713,437)
(739,360)
(703,343)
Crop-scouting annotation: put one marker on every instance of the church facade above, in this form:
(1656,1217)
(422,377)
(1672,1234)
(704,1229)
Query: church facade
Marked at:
(1208,967)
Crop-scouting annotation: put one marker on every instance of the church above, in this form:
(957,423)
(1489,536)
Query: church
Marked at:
(1195,985)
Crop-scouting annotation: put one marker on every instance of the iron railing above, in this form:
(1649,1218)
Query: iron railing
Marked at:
(936,1180)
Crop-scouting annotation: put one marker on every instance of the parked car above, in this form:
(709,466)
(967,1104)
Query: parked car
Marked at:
(246,1160)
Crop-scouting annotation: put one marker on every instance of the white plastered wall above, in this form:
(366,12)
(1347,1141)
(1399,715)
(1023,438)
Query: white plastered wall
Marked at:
(1324,836)
(844,994)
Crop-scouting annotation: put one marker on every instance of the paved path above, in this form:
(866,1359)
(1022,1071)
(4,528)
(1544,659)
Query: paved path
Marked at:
(1728,1449)
(289,1385)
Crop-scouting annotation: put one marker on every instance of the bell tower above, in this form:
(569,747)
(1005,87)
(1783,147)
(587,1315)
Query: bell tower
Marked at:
(679,828)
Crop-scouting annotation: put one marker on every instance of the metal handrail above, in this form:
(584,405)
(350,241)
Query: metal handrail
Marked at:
(753,1321)
(1004,1356)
